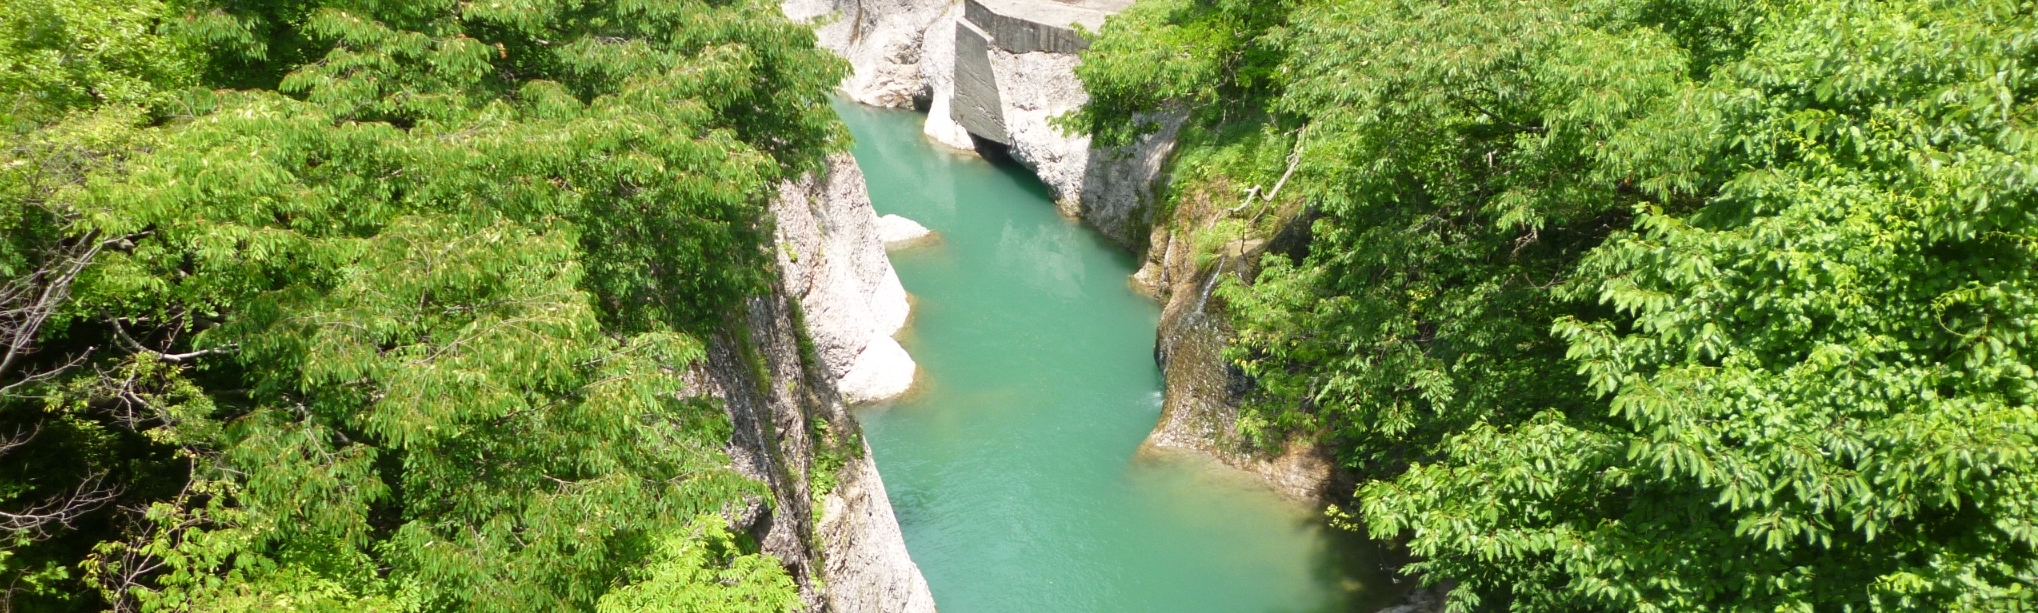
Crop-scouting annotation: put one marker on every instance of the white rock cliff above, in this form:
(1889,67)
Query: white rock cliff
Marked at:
(1006,72)
(833,262)
(788,400)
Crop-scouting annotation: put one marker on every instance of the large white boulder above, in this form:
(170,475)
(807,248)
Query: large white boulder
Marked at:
(884,370)
(897,231)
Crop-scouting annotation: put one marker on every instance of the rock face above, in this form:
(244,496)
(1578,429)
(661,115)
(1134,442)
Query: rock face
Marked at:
(882,39)
(792,427)
(833,262)
(867,565)
(1199,412)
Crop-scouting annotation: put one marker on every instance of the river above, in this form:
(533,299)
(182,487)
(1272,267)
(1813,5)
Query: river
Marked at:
(1014,467)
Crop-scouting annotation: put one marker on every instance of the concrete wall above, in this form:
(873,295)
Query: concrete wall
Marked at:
(977,106)
(1014,27)
(1022,27)
(1009,73)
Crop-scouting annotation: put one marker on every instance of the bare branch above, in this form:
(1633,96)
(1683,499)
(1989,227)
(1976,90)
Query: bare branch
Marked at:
(120,333)
(20,438)
(38,521)
(47,374)
(28,301)
(1294,159)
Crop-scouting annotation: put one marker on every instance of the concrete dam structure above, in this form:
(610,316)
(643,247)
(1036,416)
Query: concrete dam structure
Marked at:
(1015,27)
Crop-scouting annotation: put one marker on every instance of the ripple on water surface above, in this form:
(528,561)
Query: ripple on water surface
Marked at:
(1014,469)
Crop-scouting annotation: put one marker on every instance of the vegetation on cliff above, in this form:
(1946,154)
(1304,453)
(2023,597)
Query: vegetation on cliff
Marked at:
(334,304)
(1636,304)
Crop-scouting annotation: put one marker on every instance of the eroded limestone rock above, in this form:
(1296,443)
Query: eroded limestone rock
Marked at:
(864,542)
(882,39)
(883,370)
(898,231)
(787,410)
(833,260)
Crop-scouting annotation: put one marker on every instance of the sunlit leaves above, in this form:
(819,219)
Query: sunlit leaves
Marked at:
(419,298)
(1664,306)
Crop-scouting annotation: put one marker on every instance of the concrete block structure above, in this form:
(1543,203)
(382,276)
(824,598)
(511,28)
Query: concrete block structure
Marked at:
(1014,27)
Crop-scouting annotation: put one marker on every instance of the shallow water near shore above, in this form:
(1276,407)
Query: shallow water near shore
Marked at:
(1014,467)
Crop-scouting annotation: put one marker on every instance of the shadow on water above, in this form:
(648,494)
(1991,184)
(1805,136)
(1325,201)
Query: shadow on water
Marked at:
(999,157)
(1015,471)
(1366,571)
(1358,574)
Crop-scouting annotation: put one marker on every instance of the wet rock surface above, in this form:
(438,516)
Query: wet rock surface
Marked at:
(1200,409)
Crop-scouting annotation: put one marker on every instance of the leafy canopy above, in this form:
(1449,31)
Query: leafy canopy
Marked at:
(1650,305)
(392,315)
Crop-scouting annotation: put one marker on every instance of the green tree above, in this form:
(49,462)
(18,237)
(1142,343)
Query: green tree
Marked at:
(1644,305)
(394,318)
(1821,392)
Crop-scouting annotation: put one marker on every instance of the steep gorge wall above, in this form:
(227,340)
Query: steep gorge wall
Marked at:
(780,374)
(994,73)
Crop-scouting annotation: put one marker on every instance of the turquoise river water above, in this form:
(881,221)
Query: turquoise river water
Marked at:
(1014,466)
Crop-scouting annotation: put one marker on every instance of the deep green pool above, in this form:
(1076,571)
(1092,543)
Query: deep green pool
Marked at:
(1013,467)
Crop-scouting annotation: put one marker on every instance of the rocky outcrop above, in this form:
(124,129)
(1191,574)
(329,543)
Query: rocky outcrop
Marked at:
(883,41)
(867,564)
(1122,185)
(776,373)
(1200,409)
(832,258)
(1009,71)
(898,231)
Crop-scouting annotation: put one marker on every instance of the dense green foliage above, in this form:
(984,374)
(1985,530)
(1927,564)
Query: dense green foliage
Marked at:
(382,305)
(1640,304)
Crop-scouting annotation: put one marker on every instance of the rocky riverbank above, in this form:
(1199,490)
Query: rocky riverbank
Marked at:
(992,74)
(787,373)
